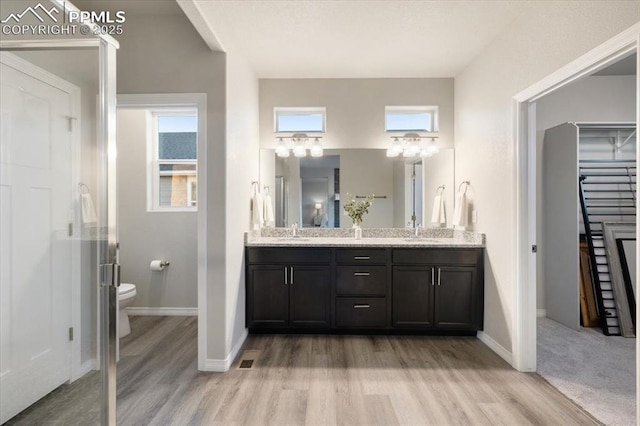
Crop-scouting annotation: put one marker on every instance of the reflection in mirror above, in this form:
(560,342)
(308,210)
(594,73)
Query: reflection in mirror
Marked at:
(308,190)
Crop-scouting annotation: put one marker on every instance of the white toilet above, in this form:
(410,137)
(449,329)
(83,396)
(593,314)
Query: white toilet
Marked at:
(126,294)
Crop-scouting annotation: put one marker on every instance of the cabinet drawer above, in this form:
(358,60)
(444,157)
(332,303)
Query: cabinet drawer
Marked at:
(361,280)
(361,312)
(286,255)
(361,256)
(441,256)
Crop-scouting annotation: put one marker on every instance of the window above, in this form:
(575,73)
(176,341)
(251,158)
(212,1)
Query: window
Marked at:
(411,119)
(173,151)
(304,120)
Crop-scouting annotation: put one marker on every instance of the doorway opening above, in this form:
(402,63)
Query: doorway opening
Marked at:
(525,115)
(162,174)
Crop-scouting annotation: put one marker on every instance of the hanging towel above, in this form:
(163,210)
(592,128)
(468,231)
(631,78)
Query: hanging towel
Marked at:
(461,210)
(438,216)
(256,210)
(88,210)
(269,219)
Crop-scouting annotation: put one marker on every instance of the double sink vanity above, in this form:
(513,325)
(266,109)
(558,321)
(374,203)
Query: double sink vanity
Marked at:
(390,281)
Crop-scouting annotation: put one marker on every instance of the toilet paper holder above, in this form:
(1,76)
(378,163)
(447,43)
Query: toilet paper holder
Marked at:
(158,265)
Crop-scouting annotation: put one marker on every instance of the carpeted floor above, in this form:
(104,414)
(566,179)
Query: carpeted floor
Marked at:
(596,371)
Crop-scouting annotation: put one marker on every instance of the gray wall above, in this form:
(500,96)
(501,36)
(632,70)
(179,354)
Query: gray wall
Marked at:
(592,99)
(164,54)
(144,235)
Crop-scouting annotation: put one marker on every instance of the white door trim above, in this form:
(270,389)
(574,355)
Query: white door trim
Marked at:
(74,92)
(523,115)
(199,101)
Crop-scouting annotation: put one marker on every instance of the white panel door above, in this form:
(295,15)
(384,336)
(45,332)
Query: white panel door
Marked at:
(35,250)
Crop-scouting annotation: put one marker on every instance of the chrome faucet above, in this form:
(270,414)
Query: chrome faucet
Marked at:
(416,234)
(294,230)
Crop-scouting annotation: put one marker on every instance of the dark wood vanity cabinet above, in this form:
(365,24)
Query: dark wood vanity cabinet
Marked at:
(361,288)
(403,290)
(438,288)
(288,288)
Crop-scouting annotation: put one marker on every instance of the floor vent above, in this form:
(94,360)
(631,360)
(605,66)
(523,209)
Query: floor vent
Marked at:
(246,363)
(247,360)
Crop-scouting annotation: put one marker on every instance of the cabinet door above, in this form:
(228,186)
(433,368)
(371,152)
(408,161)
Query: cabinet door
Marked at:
(412,296)
(267,297)
(310,292)
(456,297)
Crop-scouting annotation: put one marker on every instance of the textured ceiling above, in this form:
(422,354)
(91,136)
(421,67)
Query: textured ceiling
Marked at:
(329,39)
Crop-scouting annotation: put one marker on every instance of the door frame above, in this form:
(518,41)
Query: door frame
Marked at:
(77,370)
(199,102)
(523,120)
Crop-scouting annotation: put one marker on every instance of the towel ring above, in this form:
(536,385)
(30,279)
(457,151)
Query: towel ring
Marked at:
(440,189)
(464,182)
(82,188)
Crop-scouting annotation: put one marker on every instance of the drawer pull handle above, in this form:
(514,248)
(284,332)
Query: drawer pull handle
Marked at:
(361,257)
(433,280)
(439,276)
(361,274)
(361,306)
(285,276)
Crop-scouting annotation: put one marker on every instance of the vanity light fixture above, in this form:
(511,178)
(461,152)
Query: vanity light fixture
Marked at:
(281,149)
(298,143)
(411,145)
(316,149)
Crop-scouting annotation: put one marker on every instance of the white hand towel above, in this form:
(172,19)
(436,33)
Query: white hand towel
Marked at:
(269,219)
(88,210)
(256,211)
(438,215)
(461,210)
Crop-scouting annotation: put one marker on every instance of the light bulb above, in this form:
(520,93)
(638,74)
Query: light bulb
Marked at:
(396,146)
(316,149)
(281,149)
(391,152)
(424,152)
(299,150)
(433,148)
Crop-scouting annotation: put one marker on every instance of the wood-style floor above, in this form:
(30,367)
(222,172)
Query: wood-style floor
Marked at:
(321,380)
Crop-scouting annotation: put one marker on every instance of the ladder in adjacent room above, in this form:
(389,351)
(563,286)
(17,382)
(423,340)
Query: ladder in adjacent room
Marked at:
(607,194)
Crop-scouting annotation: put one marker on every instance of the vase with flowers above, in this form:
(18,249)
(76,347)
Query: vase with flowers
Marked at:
(356,210)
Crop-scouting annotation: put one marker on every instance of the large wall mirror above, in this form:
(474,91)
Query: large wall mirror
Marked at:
(310,191)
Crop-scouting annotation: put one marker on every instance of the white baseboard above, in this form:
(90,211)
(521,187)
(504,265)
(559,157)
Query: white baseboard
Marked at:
(165,312)
(85,368)
(496,347)
(223,365)
(541,313)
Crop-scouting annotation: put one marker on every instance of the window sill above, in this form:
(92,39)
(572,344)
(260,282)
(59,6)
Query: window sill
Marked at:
(174,210)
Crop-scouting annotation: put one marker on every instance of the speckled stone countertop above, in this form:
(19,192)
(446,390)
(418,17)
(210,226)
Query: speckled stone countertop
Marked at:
(372,237)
